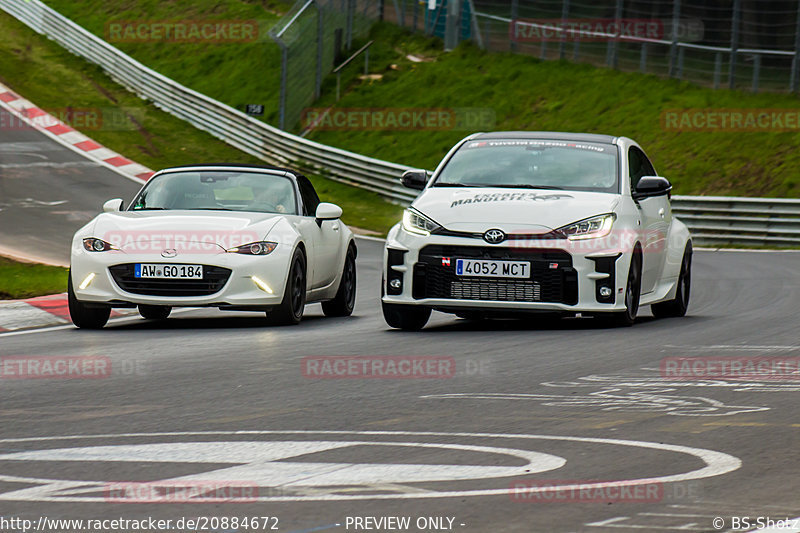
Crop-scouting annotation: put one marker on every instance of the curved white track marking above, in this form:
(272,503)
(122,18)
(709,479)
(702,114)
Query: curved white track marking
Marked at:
(716,463)
(264,462)
(618,399)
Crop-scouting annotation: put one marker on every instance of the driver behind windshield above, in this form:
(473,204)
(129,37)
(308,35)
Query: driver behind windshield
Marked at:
(276,197)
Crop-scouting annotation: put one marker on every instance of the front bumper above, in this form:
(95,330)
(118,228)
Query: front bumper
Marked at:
(228,279)
(565,275)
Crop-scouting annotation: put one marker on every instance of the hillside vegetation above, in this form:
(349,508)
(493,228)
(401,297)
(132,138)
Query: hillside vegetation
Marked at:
(520,92)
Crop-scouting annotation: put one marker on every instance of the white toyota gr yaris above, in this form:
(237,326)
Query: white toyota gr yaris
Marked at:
(234,237)
(559,223)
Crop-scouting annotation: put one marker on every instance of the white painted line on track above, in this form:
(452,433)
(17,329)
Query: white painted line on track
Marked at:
(736,347)
(716,463)
(738,250)
(113,321)
(14,315)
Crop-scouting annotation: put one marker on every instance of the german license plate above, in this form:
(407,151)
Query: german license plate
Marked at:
(145,270)
(487,268)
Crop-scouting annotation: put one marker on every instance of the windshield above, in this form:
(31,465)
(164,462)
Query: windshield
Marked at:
(219,191)
(533,163)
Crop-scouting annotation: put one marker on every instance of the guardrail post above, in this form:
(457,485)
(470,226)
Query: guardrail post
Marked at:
(514,17)
(717,69)
(612,60)
(563,41)
(681,53)
(643,59)
(756,71)
(737,4)
(673,48)
(349,25)
(380,9)
(399,12)
(452,28)
(475,26)
(796,57)
(284,77)
(320,50)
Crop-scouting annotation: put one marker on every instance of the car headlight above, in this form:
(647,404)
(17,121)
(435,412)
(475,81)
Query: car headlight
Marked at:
(254,248)
(93,244)
(417,223)
(589,228)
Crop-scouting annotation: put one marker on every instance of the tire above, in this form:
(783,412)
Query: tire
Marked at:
(290,310)
(678,306)
(85,316)
(154,312)
(406,317)
(345,299)
(633,290)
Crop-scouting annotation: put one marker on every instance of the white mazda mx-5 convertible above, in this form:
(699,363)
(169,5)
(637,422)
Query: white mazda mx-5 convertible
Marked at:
(234,237)
(557,223)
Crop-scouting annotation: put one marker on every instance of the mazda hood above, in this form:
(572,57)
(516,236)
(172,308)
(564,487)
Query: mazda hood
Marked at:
(182,229)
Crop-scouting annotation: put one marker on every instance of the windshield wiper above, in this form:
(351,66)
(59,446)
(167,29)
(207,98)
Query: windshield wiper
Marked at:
(519,186)
(211,209)
(446,184)
(148,208)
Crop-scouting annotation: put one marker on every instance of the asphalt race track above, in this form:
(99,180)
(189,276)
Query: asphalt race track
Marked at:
(47,192)
(221,398)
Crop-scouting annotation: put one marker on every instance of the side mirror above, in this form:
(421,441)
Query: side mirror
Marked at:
(415,179)
(326,211)
(649,186)
(113,206)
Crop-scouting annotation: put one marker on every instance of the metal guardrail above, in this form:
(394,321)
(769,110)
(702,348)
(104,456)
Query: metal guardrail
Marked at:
(713,220)
(730,220)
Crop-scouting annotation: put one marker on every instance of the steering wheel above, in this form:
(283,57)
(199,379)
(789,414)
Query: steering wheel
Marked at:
(267,206)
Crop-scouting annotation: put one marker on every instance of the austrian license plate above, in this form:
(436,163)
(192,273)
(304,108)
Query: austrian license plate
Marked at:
(145,270)
(487,268)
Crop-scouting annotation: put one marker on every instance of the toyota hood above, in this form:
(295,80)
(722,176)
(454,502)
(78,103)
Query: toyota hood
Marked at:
(476,210)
